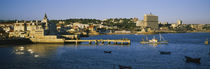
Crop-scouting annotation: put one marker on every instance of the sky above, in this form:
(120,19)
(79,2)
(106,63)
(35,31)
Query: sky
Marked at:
(189,11)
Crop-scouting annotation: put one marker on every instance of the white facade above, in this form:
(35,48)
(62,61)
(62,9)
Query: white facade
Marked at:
(35,28)
(19,27)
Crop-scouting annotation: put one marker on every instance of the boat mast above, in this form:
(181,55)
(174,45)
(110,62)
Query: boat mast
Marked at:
(160,36)
(146,38)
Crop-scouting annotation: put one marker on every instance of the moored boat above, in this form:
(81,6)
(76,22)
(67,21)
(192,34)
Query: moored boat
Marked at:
(154,40)
(194,60)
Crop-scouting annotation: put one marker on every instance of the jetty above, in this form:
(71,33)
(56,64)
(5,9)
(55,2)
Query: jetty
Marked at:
(102,41)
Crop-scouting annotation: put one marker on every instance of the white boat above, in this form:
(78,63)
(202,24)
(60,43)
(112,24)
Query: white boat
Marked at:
(154,40)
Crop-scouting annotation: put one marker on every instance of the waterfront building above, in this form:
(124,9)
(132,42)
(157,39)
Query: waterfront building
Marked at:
(19,26)
(150,21)
(26,26)
(49,28)
(32,29)
(197,26)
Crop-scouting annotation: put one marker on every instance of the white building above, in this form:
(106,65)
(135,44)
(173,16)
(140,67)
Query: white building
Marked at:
(179,22)
(30,28)
(80,25)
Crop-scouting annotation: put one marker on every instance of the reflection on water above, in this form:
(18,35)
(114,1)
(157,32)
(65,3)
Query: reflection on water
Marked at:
(36,50)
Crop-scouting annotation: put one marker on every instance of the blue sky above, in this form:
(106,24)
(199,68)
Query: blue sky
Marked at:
(190,11)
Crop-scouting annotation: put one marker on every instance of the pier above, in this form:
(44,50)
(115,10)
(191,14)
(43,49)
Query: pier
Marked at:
(119,41)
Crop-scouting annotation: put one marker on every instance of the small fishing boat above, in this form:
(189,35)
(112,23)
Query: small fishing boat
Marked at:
(206,42)
(107,51)
(154,40)
(124,67)
(194,60)
(165,53)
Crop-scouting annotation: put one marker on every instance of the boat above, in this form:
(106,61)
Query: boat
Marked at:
(206,42)
(194,60)
(124,67)
(165,53)
(107,51)
(154,40)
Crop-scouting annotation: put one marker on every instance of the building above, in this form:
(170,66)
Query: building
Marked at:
(31,29)
(179,22)
(45,19)
(140,23)
(80,25)
(174,25)
(151,21)
(197,26)
(49,28)
(19,26)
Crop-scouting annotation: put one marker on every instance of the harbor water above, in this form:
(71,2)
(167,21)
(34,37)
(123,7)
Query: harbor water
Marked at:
(92,56)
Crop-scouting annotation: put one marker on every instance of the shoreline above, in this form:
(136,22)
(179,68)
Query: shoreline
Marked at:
(146,33)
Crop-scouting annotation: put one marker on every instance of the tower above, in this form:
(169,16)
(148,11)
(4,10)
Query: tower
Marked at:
(151,21)
(45,19)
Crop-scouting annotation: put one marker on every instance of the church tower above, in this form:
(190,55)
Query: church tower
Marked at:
(50,28)
(45,19)
(45,22)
